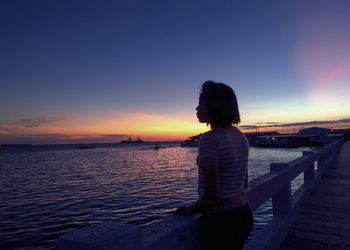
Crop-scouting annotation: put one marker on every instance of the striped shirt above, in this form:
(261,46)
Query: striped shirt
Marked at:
(229,149)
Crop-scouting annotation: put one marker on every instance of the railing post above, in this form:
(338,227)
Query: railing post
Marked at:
(328,156)
(309,173)
(321,163)
(282,201)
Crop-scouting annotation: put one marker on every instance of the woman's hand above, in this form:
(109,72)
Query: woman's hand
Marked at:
(183,210)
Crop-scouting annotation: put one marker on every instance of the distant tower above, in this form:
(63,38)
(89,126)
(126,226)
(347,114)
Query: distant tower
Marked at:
(315,128)
(302,127)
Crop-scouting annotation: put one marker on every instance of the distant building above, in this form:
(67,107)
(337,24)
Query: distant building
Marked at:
(341,131)
(261,133)
(314,131)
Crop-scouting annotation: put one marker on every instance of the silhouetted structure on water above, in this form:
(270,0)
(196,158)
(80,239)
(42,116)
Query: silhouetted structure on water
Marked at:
(191,142)
(138,140)
(308,137)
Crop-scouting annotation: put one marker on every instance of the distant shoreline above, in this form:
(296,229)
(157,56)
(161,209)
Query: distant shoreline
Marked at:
(26,148)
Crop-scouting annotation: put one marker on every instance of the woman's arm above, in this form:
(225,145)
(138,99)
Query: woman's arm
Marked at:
(211,193)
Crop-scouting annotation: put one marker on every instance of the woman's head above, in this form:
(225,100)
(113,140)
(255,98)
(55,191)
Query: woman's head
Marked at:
(218,105)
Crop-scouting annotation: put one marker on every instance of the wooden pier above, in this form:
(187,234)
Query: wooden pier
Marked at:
(324,219)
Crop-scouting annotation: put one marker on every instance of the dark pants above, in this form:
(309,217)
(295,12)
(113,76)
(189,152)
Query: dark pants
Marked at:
(226,230)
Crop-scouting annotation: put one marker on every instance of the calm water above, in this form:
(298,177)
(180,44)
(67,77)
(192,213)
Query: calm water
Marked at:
(46,193)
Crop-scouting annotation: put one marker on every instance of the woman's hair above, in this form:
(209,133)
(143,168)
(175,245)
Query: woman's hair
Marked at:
(221,102)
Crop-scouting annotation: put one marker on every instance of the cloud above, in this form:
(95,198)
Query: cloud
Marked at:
(5,132)
(322,54)
(39,121)
(249,126)
(336,73)
(115,135)
(49,135)
(73,137)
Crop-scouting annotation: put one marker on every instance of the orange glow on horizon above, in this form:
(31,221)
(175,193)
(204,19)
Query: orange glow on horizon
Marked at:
(152,127)
(114,127)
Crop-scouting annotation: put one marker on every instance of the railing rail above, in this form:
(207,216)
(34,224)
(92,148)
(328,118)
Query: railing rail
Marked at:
(277,185)
(181,232)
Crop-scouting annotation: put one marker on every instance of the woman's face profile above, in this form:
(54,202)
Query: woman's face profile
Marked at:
(202,113)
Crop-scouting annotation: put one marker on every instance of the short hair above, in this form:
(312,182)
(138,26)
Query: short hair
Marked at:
(221,102)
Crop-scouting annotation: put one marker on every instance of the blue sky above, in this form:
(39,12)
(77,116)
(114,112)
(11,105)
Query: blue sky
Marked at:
(84,69)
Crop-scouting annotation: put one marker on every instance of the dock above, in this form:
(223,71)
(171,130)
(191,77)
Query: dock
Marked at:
(324,220)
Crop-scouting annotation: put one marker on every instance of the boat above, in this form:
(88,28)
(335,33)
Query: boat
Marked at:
(81,146)
(191,142)
(138,140)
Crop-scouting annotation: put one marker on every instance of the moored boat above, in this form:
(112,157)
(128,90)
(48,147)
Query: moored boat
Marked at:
(81,146)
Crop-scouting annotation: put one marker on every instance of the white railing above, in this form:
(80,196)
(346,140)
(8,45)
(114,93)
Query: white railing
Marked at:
(181,232)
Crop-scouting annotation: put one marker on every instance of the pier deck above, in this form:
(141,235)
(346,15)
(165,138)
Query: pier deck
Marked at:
(324,219)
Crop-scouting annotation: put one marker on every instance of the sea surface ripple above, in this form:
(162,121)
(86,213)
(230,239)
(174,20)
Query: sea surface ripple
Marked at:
(44,194)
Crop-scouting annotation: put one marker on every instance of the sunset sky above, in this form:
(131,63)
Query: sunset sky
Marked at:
(102,71)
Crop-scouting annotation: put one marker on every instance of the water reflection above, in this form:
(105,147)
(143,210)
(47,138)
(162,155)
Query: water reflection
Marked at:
(46,194)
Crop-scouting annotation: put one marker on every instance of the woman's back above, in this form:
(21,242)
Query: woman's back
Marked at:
(229,147)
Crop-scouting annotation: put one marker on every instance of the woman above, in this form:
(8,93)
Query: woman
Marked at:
(222,160)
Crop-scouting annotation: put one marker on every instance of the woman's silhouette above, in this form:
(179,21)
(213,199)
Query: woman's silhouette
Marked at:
(222,160)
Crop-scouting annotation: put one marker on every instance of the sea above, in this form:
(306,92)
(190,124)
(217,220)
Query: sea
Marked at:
(47,191)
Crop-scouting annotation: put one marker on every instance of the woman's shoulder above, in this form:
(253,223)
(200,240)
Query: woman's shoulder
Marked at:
(230,135)
(209,135)
(223,133)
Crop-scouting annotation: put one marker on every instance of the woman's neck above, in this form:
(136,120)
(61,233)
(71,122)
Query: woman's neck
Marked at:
(212,126)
